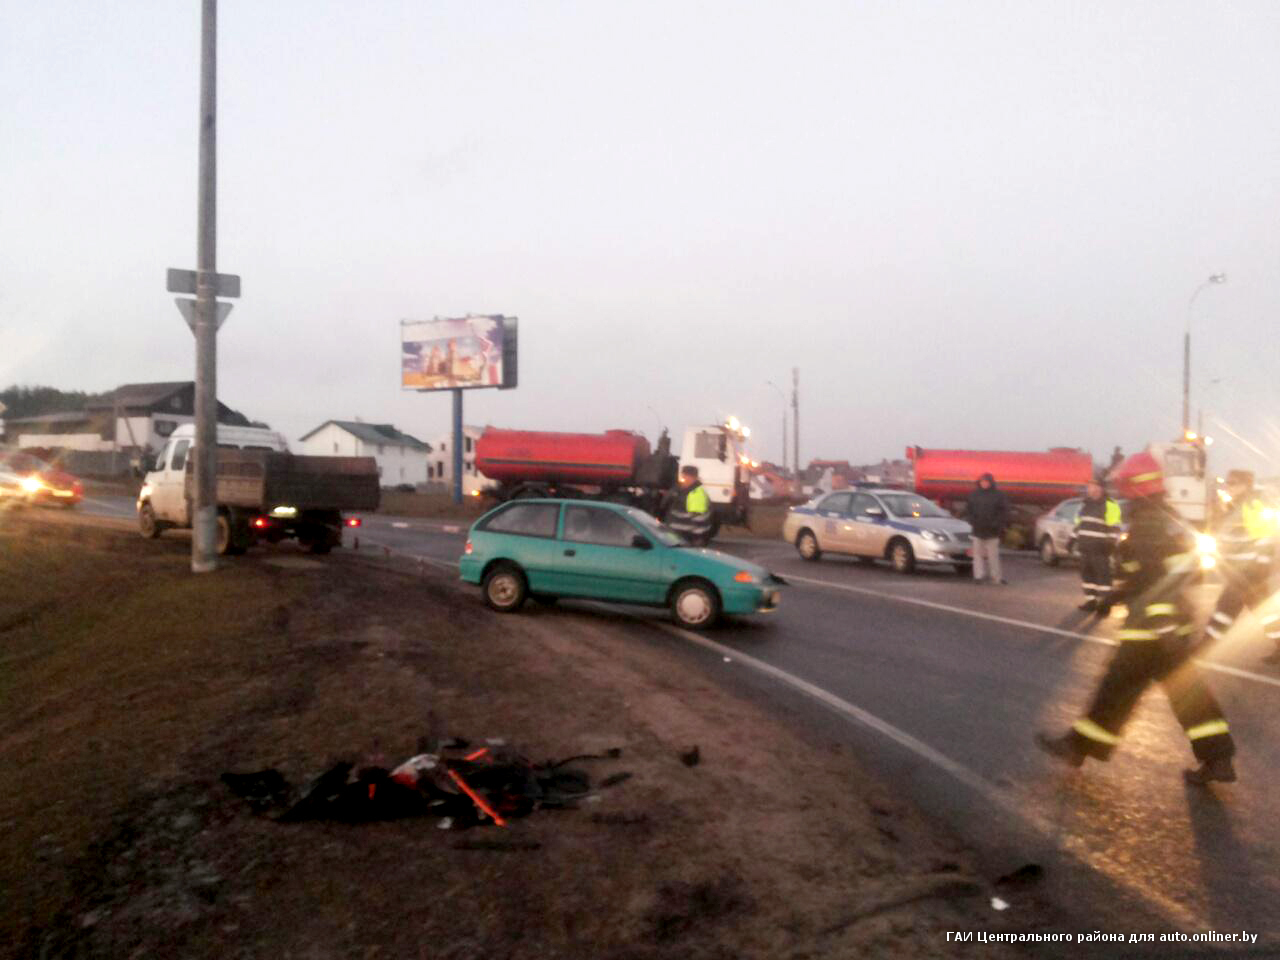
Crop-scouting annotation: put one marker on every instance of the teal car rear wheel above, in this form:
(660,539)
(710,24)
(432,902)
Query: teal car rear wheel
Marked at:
(695,604)
(505,588)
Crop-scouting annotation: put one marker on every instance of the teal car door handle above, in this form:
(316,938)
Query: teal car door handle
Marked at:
(571,553)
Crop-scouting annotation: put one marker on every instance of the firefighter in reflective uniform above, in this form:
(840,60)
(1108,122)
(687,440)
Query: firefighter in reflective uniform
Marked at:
(1246,546)
(690,515)
(1097,532)
(1156,641)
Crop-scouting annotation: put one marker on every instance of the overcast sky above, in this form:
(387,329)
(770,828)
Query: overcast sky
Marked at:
(968,224)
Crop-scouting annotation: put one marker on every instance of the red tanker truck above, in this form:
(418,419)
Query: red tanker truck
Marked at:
(1033,482)
(1031,479)
(617,465)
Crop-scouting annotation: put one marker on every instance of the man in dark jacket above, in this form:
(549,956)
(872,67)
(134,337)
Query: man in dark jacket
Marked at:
(988,514)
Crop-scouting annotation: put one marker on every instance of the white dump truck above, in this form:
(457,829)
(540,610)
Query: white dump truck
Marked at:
(264,492)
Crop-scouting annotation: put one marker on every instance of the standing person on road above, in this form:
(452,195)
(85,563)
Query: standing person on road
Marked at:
(1246,544)
(690,514)
(988,514)
(1155,571)
(1097,533)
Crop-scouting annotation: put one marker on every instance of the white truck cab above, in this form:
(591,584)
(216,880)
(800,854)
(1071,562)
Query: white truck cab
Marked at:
(165,485)
(719,453)
(1186,482)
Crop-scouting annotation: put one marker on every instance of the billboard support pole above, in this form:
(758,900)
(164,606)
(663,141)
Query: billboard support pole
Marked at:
(457,446)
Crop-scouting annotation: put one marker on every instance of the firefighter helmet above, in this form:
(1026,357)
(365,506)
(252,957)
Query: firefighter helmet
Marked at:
(1138,476)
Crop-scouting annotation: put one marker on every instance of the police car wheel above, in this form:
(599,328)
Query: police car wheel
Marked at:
(902,556)
(807,546)
(1048,554)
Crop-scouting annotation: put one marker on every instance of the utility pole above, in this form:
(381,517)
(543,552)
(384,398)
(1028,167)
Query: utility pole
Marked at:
(795,417)
(457,445)
(205,515)
(1214,278)
(205,314)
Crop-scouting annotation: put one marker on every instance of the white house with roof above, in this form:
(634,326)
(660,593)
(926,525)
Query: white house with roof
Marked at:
(440,471)
(400,457)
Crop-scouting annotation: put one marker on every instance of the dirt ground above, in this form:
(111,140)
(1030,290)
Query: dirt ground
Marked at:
(127,687)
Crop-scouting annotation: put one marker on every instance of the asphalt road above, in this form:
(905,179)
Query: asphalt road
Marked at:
(942,683)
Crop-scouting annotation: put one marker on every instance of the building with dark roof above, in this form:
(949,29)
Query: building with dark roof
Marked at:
(401,458)
(134,417)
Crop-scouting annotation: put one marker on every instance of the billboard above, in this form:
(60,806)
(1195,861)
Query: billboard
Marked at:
(458,354)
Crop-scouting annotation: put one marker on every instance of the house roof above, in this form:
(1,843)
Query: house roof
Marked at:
(138,394)
(72,416)
(383,433)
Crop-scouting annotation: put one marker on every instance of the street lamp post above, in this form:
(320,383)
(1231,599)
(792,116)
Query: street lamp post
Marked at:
(1186,351)
(783,397)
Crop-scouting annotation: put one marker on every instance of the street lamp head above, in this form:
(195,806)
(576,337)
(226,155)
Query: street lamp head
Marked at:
(1217,278)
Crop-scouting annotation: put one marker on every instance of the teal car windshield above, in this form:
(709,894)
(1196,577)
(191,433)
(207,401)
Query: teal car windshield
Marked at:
(906,505)
(663,534)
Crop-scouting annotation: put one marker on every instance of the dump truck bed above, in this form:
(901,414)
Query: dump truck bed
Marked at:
(263,480)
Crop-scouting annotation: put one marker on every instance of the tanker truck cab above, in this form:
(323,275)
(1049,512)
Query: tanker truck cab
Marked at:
(1185,482)
(719,453)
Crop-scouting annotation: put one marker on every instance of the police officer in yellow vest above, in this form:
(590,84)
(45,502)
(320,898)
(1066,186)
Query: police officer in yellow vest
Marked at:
(1097,533)
(690,515)
(1246,545)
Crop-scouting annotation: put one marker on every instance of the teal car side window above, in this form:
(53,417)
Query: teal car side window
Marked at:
(595,526)
(525,519)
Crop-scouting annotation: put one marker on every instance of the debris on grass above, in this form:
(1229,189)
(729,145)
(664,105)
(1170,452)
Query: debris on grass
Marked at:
(462,786)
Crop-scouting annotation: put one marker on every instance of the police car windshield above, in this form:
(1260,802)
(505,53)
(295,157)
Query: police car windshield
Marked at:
(907,505)
(663,534)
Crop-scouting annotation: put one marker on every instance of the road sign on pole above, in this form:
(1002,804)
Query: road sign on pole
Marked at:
(185,281)
(188,310)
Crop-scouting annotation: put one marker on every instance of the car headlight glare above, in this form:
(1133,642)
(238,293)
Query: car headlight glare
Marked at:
(31,484)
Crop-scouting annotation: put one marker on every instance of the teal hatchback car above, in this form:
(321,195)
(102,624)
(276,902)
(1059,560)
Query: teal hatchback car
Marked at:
(548,549)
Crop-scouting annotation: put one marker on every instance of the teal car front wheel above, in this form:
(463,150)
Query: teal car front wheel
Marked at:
(505,588)
(695,604)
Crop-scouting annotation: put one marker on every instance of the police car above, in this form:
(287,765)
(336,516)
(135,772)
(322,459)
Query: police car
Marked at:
(880,523)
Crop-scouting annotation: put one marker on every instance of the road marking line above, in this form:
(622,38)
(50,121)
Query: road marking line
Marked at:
(849,710)
(1007,803)
(400,525)
(1025,624)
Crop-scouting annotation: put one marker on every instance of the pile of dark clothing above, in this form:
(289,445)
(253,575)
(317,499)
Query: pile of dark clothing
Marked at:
(464,785)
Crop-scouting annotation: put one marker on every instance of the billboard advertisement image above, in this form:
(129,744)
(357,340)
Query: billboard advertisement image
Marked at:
(453,354)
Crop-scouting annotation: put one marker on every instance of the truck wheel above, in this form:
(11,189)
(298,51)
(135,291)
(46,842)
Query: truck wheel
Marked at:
(1048,554)
(148,526)
(807,546)
(227,544)
(321,545)
(901,556)
(695,604)
(505,588)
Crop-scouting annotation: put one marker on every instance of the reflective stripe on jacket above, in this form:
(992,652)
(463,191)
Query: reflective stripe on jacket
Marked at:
(1248,534)
(1099,520)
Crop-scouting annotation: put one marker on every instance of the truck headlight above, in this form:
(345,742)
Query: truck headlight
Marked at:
(1207,550)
